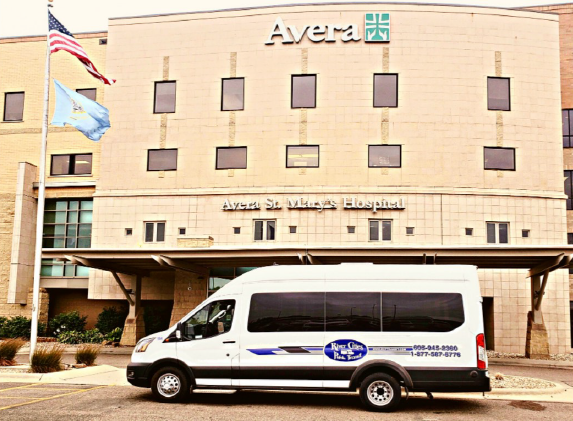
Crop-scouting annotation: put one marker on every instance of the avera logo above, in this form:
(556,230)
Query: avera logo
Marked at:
(345,350)
(377,27)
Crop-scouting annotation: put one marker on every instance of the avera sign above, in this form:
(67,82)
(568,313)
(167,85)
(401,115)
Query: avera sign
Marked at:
(376,27)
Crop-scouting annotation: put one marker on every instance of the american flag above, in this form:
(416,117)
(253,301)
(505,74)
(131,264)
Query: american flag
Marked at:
(62,39)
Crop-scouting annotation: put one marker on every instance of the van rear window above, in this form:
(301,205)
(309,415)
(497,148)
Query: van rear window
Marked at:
(421,312)
(287,312)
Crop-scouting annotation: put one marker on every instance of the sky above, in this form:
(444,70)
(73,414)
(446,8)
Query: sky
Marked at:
(28,17)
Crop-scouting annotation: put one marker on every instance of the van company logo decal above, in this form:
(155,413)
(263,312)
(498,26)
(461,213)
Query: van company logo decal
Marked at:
(345,350)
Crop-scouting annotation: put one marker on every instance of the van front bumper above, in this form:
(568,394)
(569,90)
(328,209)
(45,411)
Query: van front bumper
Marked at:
(137,374)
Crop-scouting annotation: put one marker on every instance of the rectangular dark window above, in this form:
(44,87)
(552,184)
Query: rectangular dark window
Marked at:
(303,94)
(351,229)
(384,156)
(231,158)
(497,232)
(409,230)
(232,94)
(164,97)
(88,93)
(302,156)
(13,106)
(498,97)
(353,311)
(499,159)
(161,159)
(53,267)
(154,232)
(292,229)
(68,223)
(525,233)
(287,312)
(380,229)
(567,120)
(182,231)
(77,164)
(236,230)
(386,90)
(469,231)
(569,188)
(265,230)
(421,312)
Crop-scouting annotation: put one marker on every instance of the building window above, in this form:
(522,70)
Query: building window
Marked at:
(525,233)
(386,90)
(128,231)
(499,158)
(292,229)
(497,232)
(302,156)
(380,230)
(182,231)
(67,224)
(219,277)
(236,230)
(265,230)
(14,106)
(231,158)
(384,156)
(88,93)
(351,229)
(162,160)
(164,97)
(569,188)
(53,267)
(154,232)
(303,91)
(469,231)
(233,94)
(76,164)
(567,116)
(498,97)
(409,230)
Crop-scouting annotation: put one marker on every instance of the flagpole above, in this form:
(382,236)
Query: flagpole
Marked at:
(41,199)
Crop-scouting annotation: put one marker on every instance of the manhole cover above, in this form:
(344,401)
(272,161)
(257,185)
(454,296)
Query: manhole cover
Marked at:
(531,406)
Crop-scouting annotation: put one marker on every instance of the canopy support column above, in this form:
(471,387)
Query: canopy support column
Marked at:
(134,328)
(537,340)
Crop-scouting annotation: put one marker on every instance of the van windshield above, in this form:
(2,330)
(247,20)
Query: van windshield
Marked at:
(211,320)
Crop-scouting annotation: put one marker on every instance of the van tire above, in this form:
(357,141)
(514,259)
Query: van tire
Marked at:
(380,392)
(170,384)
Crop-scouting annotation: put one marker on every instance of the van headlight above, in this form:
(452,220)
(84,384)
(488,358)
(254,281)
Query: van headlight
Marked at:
(143,344)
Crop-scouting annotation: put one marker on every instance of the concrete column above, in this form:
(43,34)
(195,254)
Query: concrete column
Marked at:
(537,341)
(43,306)
(190,289)
(134,328)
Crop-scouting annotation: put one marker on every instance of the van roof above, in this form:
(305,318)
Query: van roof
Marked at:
(355,271)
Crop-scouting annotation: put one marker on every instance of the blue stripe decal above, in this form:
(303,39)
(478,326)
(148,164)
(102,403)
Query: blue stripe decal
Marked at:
(265,351)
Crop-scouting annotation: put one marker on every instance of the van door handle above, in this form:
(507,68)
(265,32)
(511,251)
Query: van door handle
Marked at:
(228,342)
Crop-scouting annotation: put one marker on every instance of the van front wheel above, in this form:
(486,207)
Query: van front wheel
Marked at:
(169,384)
(380,392)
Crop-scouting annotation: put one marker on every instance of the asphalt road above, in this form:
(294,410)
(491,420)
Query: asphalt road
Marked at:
(65,402)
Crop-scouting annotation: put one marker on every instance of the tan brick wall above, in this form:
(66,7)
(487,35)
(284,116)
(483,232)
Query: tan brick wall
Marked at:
(22,69)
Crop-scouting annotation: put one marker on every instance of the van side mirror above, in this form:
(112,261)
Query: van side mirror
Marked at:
(178,331)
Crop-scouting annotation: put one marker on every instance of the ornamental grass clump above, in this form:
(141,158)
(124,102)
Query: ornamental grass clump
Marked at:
(47,358)
(8,350)
(87,354)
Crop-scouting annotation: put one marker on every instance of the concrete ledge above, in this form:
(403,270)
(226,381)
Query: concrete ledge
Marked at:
(531,363)
(123,350)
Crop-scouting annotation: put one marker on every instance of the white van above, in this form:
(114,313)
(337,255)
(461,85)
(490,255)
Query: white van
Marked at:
(376,328)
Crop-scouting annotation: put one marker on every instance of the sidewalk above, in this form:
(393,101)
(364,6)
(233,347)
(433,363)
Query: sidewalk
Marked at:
(101,375)
(567,365)
(123,350)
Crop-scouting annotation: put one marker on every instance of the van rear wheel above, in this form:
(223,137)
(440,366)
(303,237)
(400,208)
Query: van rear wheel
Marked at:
(169,384)
(380,392)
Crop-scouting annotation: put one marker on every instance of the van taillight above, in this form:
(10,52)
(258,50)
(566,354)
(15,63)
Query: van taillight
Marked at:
(481,354)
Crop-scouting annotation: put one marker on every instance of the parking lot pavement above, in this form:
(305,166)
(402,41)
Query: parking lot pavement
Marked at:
(64,402)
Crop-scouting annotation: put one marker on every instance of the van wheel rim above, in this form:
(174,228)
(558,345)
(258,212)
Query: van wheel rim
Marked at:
(380,393)
(168,385)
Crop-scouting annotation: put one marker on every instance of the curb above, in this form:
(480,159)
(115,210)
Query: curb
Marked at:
(559,388)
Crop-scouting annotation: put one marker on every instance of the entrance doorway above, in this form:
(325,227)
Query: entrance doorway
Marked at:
(488,322)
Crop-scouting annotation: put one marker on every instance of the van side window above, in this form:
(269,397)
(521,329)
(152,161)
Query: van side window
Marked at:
(421,312)
(353,312)
(287,312)
(213,319)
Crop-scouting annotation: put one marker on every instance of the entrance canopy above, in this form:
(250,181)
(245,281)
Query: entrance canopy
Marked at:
(537,259)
